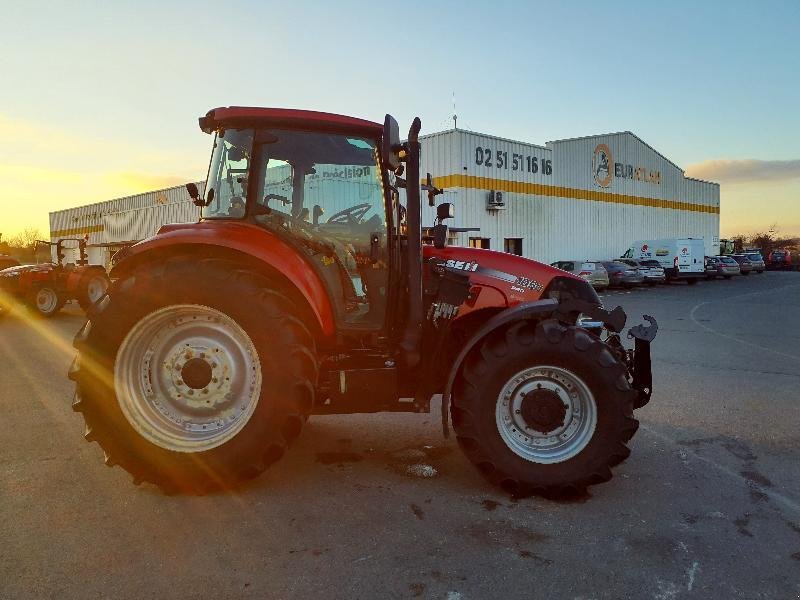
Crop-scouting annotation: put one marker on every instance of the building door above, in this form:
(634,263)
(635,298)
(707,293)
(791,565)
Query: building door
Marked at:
(513,246)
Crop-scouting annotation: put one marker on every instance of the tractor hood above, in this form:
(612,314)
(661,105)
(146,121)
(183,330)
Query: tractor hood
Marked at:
(518,279)
(19,270)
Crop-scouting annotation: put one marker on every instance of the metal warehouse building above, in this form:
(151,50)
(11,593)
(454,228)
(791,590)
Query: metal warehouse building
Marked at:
(112,224)
(577,198)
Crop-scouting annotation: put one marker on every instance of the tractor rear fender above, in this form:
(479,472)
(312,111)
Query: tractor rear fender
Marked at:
(537,309)
(255,249)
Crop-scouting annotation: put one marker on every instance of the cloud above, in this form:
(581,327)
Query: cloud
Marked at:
(745,171)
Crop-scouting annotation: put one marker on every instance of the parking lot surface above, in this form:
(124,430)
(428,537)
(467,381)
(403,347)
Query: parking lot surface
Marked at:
(381,506)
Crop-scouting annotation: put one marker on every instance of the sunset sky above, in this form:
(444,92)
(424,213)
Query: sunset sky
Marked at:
(102,101)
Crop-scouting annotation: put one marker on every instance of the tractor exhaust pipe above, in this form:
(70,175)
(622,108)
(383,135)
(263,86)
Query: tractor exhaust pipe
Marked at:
(412,337)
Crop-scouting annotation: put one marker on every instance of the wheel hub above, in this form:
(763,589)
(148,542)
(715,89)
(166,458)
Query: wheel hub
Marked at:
(197,373)
(546,414)
(543,410)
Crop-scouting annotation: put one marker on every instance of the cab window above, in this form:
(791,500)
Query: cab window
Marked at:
(325,192)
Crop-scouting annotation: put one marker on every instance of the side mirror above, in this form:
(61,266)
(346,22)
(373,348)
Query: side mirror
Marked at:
(445,210)
(192,189)
(391,143)
(439,235)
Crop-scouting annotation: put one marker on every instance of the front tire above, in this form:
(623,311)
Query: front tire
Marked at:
(194,375)
(46,301)
(543,408)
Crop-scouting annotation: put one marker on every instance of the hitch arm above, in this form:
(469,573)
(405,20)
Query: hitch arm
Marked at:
(640,365)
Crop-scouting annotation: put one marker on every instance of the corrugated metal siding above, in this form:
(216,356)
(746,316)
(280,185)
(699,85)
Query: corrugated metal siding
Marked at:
(105,222)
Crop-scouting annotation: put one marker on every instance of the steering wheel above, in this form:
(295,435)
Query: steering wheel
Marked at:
(352,215)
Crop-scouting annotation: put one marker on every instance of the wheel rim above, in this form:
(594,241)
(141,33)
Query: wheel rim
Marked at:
(546,414)
(188,378)
(46,300)
(95,289)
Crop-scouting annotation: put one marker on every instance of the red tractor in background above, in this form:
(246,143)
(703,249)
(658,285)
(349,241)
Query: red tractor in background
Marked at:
(306,289)
(46,287)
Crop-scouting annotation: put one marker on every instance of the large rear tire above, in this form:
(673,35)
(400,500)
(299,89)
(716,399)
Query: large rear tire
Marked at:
(194,375)
(92,288)
(543,408)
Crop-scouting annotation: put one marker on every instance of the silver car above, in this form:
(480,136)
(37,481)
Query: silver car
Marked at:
(726,267)
(651,270)
(621,274)
(593,272)
(755,258)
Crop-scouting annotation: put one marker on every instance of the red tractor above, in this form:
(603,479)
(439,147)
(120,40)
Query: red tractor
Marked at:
(46,287)
(218,339)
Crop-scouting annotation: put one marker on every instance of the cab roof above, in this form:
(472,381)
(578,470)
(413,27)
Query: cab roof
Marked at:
(287,118)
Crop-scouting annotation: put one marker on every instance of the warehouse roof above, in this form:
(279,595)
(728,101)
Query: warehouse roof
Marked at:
(587,137)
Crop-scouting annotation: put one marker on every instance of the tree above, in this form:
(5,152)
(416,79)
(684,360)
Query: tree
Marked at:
(26,239)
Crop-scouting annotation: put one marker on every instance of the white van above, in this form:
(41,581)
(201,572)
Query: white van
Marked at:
(682,258)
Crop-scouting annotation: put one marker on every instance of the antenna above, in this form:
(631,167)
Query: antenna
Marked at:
(455,114)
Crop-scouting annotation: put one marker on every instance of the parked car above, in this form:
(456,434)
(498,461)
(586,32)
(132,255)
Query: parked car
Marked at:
(651,270)
(593,272)
(712,263)
(759,266)
(725,266)
(745,266)
(621,274)
(783,259)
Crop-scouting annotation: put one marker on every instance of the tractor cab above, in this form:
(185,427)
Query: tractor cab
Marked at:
(323,192)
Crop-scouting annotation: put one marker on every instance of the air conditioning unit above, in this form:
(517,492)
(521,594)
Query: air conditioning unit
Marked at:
(494,201)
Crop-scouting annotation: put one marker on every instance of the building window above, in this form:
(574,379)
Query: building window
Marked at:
(475,242)
(513,246)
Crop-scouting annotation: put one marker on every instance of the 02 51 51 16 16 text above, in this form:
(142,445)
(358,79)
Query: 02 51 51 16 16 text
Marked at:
(500,159)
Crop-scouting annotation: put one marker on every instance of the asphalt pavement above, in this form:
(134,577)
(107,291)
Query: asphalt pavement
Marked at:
(382,506)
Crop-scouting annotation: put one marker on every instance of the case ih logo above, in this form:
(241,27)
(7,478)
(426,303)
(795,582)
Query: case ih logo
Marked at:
(645,247)
(601,165)
(604,169)
(684,251)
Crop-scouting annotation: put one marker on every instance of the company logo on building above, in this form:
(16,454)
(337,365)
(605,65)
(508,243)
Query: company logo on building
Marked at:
(604,169)
(602,162)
